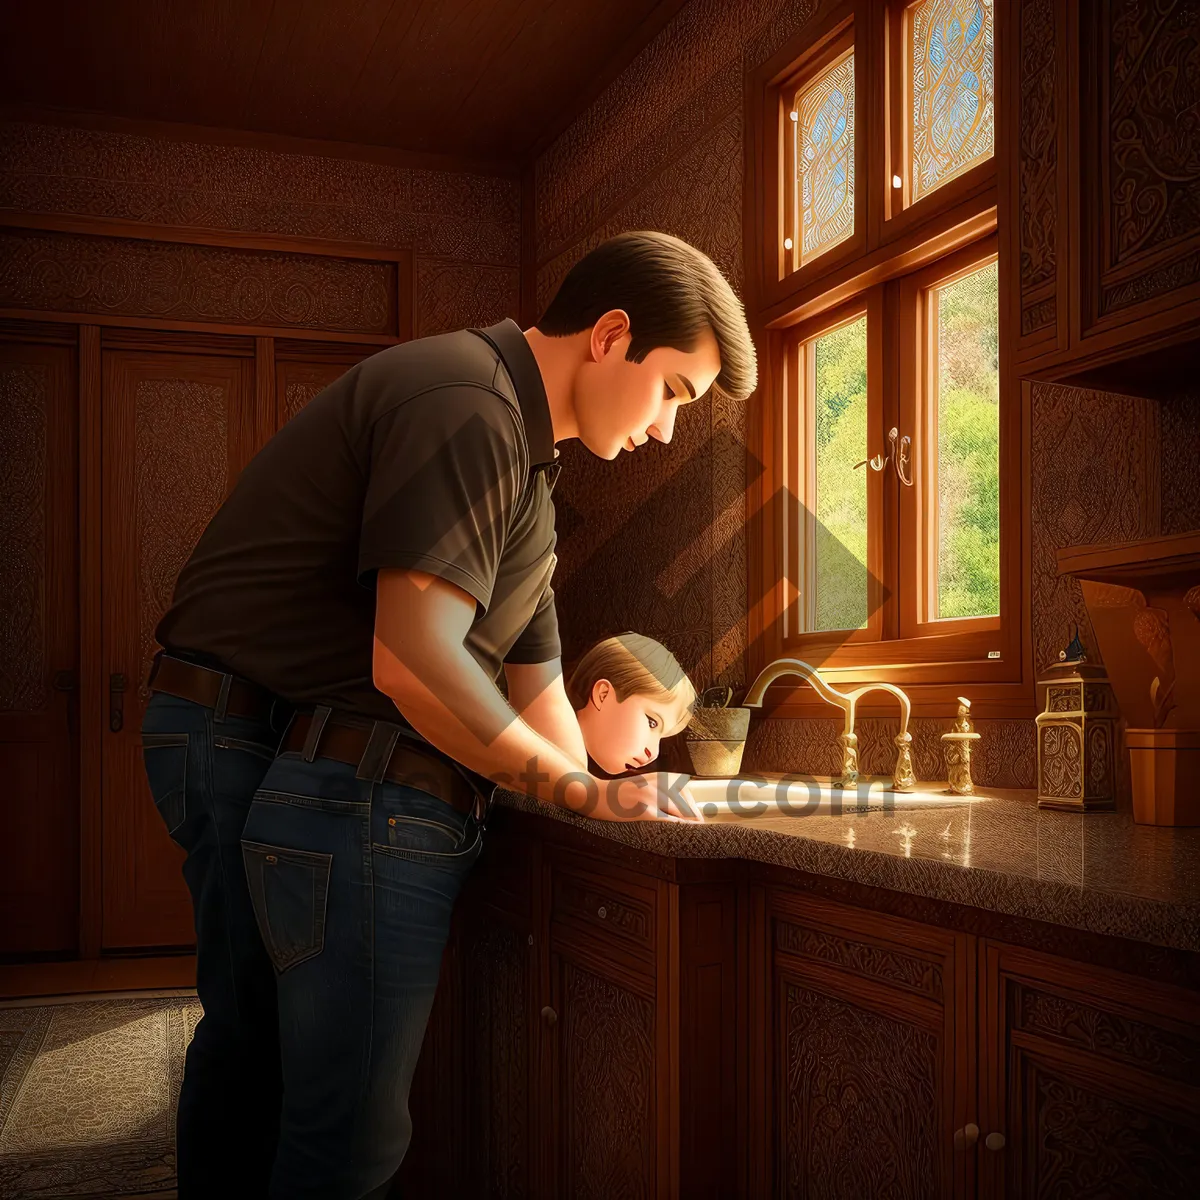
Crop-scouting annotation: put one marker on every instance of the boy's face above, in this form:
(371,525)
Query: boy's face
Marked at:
(624,736)
(620,405)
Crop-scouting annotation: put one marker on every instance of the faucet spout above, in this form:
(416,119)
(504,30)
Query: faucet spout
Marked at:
(903,777)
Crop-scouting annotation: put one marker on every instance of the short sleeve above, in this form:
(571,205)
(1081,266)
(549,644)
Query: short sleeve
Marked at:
(443,476)
(539,641)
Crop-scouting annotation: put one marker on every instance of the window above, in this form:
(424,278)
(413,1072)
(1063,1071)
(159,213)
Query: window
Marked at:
(949,89)
(891,449)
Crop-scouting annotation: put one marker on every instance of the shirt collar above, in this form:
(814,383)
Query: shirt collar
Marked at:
(509,342)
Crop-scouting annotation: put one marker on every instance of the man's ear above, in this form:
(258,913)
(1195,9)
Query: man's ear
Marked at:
(607,331)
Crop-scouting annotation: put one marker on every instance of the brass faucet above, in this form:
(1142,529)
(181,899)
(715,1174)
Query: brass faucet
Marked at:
(903,779)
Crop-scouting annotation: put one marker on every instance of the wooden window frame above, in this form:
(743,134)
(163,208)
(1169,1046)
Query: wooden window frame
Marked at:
(902,251)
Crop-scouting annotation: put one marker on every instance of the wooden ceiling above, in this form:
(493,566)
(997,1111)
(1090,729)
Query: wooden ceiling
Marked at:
(486,80)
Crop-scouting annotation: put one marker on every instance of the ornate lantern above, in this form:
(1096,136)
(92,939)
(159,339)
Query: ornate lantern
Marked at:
(1076,735)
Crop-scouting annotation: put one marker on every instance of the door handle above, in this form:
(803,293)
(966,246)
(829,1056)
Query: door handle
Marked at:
(116,702)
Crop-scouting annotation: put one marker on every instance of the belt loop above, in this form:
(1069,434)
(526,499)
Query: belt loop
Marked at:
(222,705)
(321,715)
(154,668)
(378,754)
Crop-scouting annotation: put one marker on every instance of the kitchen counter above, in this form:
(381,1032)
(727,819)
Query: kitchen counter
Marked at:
(1097,871)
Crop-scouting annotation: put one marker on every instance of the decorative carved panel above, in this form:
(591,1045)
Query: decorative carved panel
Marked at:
(859,1101)
(1174,1056)
(62,272)
(24,395)
(1087,1144)
(1142,152)
(497,1015)
(181,470)
(456,295)
(296,383)
(877,962)
(607,1056)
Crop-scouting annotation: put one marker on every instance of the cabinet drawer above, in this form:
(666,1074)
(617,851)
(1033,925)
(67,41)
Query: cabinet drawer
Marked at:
(605,902)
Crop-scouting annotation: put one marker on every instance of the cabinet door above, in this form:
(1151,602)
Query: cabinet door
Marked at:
(177,429)
(604,1037)
(303,369)
(39,644)
(870,1053)
(1091,1082)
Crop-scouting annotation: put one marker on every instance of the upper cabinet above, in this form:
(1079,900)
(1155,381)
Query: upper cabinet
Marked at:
(1104,186)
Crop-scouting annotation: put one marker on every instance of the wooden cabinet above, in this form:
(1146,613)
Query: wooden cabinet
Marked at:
(1091,1082)
(626,1025)
(867,1021)
(1103,191)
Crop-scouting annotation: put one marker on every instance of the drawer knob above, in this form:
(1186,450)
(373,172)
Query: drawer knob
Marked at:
(602,912)
(966,1137)
(549,1015)
(994,1141)
(531,939)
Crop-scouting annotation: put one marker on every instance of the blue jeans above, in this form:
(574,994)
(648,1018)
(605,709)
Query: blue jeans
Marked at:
(203,775)
(353,884)
(322,907)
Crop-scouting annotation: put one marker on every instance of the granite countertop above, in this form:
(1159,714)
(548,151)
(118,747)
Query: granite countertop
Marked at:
(1094,871)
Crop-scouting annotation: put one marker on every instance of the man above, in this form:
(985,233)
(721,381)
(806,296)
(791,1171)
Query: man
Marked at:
(376,566)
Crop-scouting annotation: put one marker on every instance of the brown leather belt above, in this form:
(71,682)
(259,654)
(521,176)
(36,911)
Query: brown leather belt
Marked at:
(378,753)
(227,694)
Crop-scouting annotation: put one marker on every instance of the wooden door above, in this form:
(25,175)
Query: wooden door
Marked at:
(1091,1082)
(869,1042)
(303,369)
(176,429)
(39,641)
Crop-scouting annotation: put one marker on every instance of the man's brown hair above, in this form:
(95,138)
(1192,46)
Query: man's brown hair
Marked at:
(671,292)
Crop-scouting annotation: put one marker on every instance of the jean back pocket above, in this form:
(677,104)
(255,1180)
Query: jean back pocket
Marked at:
(289,890)
(165,756)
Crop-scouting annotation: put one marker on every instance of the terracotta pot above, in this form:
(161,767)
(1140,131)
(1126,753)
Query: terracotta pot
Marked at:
(1164,769)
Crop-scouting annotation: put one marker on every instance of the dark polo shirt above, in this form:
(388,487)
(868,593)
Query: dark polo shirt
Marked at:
(418,457)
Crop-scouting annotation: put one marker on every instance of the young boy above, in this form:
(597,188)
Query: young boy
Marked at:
(628,693)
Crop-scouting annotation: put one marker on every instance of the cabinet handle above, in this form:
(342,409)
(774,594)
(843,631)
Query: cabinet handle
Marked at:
(966,1137)
(531,939)
(549,1015)
(994,1141)
(602,912)
(116,702)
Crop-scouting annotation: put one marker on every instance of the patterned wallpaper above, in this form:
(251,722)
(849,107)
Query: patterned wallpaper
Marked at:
(464,229)
(656,541)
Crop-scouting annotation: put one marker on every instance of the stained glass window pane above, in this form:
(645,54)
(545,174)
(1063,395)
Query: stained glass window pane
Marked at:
(968,446)
(824,133)
(952,115)
(840,439)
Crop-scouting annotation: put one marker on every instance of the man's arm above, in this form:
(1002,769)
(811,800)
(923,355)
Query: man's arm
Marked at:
(421,662)
(538,695)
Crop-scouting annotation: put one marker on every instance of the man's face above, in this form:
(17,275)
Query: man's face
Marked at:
(620,405)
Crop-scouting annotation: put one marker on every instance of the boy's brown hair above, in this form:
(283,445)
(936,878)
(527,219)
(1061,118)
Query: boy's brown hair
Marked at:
(635,665)
(671,292)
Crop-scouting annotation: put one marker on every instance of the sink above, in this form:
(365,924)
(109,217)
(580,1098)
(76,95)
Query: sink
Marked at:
(780,795)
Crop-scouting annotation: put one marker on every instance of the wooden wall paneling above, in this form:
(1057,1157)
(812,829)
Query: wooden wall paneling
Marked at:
(156,277)
(176,431)
(92,681)
(39,642)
